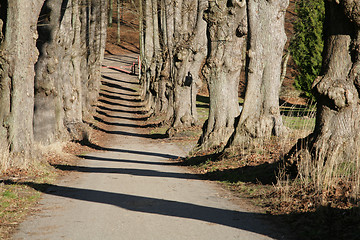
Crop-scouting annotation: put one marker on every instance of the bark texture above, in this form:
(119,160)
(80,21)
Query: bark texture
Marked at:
(149,55)
(68,70)
(260,117)
(336,138)
(188,53)
(174,47)
(227,30)
(18,55)
(50,54)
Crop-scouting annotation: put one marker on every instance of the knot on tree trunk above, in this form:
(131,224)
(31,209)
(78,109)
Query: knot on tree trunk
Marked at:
(352,10)
(340,92)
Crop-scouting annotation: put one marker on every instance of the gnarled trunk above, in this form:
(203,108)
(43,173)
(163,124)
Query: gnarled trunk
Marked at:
(148,62)
(18,56)
(67,79)
(227,30)
(188,55)
(260,117)
(335,142)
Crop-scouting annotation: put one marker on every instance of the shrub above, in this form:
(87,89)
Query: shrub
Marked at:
(307,45)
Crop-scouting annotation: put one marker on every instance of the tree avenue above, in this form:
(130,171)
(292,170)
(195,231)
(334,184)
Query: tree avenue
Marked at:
(255,27)
(175,43)
(50,53)
(174,48)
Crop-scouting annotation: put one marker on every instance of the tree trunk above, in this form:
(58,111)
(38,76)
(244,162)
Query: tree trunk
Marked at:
(188,55)
(227,30)
(148,54)
(335,142)
(260,117)
(18,56)
(110,14)
(63,86)
(118,21)
(93,45)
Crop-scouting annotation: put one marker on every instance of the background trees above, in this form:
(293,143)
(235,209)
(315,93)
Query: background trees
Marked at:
(174,49)
(179,39)
(307,44)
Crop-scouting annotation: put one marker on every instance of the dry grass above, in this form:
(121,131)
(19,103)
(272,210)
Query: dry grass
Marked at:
(4,157)
(17,197)
(320,203)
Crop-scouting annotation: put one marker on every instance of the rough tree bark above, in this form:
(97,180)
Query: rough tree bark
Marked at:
(93,37)
(227,30)
(148,67)
(336,137)
(18,55)
(260,117)
(61,82)
(188,55)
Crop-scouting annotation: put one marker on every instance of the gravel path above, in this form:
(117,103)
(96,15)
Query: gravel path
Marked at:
(133,190)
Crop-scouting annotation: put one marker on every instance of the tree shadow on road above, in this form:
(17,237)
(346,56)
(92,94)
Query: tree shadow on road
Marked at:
(161,163)
(119,117)
(120,93)
(119,80)
(85,142)
(128,171)
(117,86)
(235,219)
(130,134)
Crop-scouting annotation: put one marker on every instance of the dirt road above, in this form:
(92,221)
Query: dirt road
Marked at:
(131,190)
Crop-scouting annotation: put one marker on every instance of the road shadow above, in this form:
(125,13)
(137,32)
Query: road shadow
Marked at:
(118,80)
(85,142)
(120,117)
(125,133)
(226,217)
(117,86)
(116,110)
(162,163)
(119,93)
(128,60)
(128,171)
(107,97)
(131,125)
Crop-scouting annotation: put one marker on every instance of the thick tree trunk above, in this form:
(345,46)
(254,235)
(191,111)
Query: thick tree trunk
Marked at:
(188,55)
(65,86)
(94,38)
(227,30)
(157,61)
(260,117)
(335,142)
(148,55)
(18,56)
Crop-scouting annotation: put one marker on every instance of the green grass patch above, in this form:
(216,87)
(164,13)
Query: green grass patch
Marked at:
(299,123)
(17,197)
